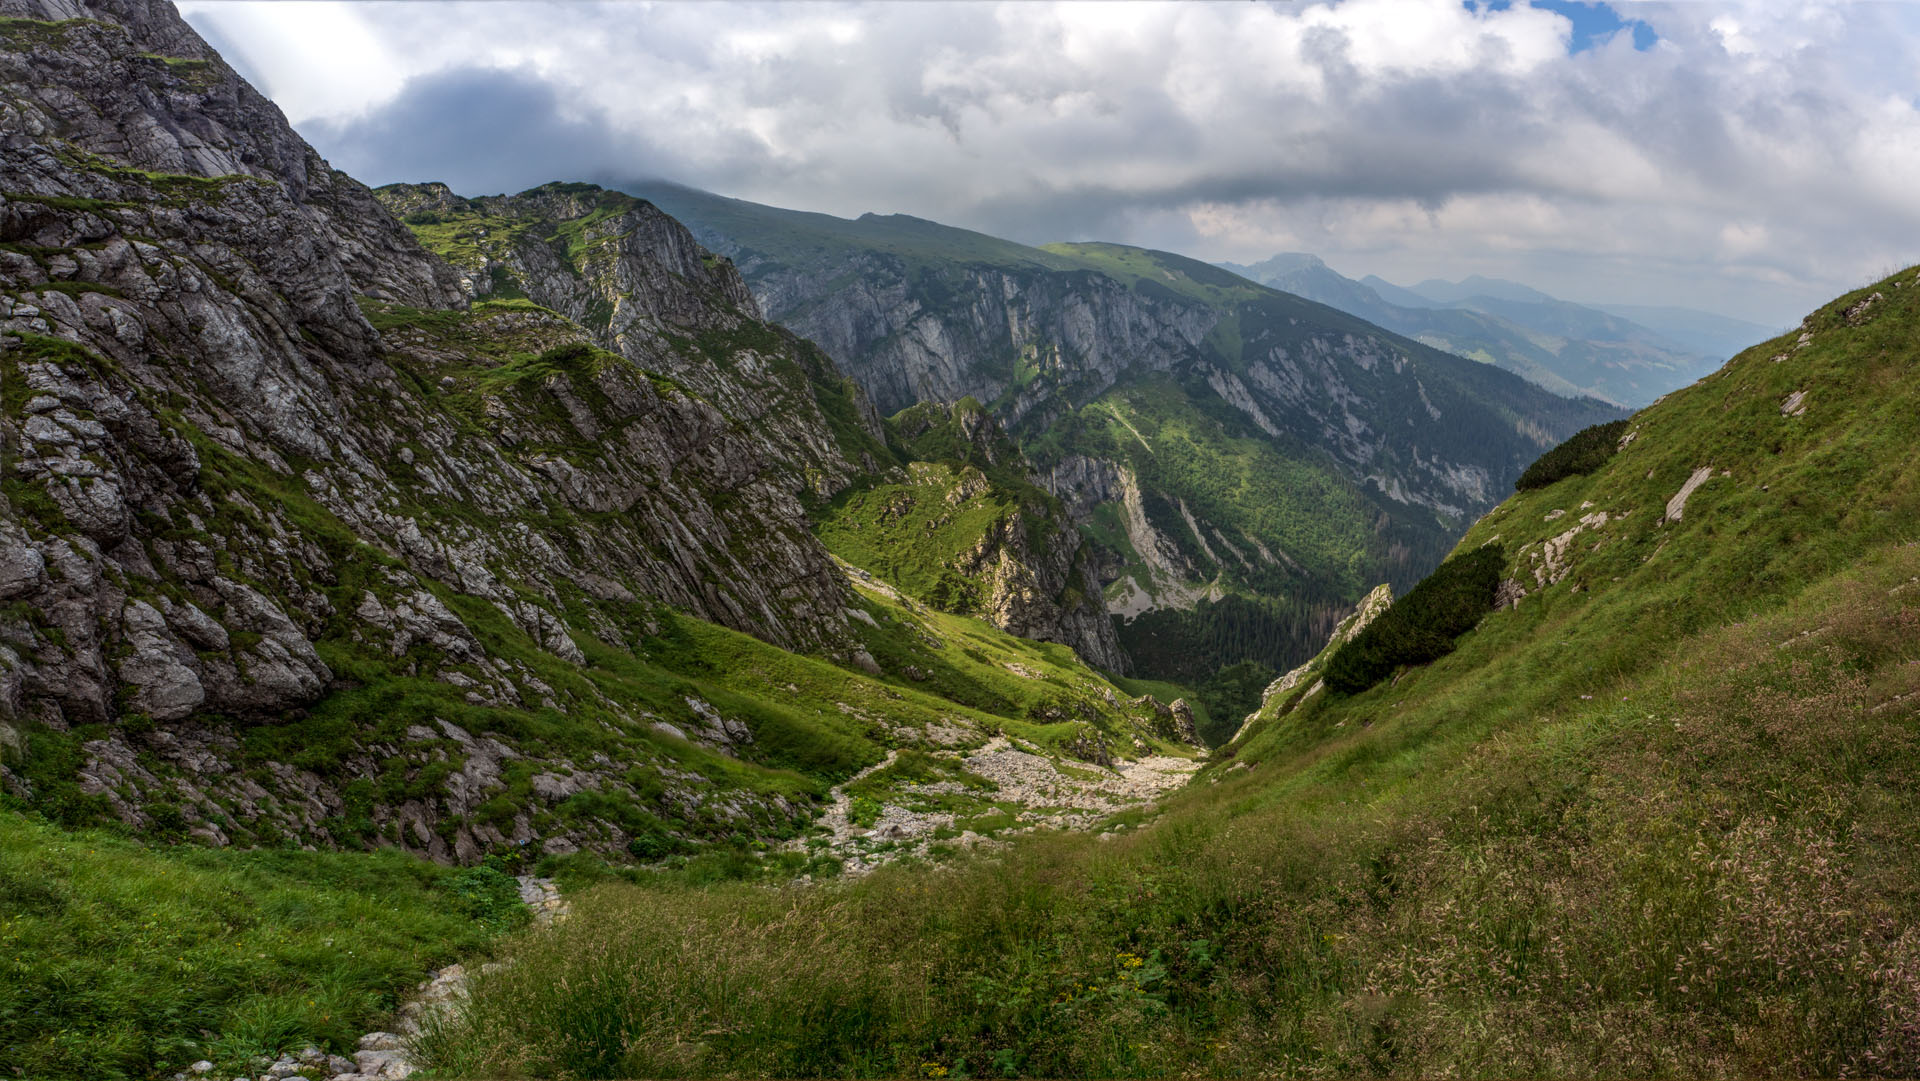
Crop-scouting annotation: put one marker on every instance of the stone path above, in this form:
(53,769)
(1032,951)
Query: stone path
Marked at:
(1050,794)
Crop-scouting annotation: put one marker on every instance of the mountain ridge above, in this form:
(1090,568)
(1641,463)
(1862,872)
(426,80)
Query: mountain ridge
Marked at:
(1086,342)
(1568,348)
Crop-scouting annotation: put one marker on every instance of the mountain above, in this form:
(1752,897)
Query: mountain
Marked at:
(1393,294)
(1247,462)
(586,252)
(1476,287)
(1566,348)
(1703,332)
(314,538)
(1650,808)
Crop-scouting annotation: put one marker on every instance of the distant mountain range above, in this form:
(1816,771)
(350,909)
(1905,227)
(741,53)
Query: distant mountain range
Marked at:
(1249,462)
(1626,354)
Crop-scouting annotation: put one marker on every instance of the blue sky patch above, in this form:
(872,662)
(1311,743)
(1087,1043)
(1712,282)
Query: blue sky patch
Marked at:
(1592,22)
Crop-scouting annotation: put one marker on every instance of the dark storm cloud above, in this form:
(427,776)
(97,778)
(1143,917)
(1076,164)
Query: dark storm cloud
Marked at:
(482,130)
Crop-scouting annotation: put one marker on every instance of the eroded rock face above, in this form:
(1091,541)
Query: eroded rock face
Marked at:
(249,419)
(1039,583)
(903,352)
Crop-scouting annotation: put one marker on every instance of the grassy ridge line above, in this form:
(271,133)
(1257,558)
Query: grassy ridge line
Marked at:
(1658,818)
(792,235)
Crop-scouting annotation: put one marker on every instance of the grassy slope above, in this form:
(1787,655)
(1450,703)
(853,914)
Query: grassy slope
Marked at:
(129,961)
(1249,487)
(1659,818)
(912,527)
(908,534)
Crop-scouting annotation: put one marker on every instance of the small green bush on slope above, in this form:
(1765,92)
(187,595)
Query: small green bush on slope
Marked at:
(1422,625)
(1658,818)
(1585,451)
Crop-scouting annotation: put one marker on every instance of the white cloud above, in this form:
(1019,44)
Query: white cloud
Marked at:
(314,59)
(1759,158)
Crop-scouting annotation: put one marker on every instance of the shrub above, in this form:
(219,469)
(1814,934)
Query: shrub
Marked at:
(654,845)
(864,811)
(1422,625)
(490,896)
(1587,450)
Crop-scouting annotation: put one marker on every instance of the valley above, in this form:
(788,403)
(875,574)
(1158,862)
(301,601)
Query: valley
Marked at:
(680,636)
(1307,454)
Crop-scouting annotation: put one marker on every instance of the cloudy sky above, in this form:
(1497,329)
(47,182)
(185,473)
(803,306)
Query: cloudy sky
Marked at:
(1749,158)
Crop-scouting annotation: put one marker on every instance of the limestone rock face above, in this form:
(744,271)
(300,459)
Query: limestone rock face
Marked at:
(903,350)
(642,286)
(250,423)
(1039,583)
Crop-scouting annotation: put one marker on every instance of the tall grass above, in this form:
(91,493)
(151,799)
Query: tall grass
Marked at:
(118,960)
(1713,876)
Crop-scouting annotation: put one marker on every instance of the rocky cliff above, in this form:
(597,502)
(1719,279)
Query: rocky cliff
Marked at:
(974,331)
(262,452)
(643,288)
(311,535)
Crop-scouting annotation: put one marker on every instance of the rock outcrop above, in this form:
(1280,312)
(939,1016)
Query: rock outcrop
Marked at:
(263,451)
(1278,698)
(643,288)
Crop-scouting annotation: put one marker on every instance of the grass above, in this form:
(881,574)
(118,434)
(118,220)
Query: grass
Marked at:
(796,237)
(123,960)
(1659,818)
(909,534)
(1160,272)
(1708,878)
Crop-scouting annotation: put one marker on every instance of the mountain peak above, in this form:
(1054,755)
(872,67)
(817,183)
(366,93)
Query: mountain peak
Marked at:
(1477,285)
